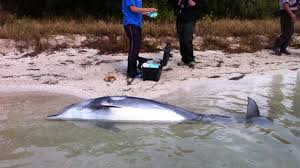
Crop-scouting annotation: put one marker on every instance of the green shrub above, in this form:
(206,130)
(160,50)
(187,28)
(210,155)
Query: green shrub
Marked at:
(107,9)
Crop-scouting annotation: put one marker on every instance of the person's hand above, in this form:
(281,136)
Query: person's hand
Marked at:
(179,2)
(152,10)
(192,3)
(294,18)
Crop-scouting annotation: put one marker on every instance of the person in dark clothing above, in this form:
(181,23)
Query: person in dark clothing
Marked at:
(187,13)
(287,21)
(134,35)
(132,21)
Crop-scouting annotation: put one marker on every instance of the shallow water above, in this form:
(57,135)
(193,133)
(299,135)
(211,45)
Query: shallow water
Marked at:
(28,140)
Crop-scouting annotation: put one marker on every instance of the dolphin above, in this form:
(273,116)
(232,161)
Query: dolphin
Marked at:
(123,109)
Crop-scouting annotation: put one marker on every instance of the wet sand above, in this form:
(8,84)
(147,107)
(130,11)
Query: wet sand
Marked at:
(82,72)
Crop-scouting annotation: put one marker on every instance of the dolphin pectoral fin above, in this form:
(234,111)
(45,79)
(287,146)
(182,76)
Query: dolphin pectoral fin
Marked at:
(110,106)
(252,109)
(108,126)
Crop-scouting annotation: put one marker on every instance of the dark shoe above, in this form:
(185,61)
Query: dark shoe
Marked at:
(191,64)
(139,75)
(276,51)
(286,52)
(181,63)
(136,75)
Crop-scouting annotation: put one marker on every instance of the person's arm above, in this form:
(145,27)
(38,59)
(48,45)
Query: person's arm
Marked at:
(141,10)
(198,3)
(286,7)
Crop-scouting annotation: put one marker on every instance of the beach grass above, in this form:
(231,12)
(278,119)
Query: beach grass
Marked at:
(244,35)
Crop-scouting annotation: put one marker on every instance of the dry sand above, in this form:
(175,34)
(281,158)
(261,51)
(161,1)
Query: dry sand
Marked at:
(81,72)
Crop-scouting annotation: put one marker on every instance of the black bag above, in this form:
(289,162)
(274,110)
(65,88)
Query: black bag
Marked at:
(155,73)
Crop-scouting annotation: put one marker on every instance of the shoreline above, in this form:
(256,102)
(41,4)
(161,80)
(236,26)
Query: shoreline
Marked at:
(81,72)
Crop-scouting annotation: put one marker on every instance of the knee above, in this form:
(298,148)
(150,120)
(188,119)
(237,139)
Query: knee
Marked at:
(188,41)
(289,36)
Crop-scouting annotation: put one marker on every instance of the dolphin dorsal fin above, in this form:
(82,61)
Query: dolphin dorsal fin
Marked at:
(252,109)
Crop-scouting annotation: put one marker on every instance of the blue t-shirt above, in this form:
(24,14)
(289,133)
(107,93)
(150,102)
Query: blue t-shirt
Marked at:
(130,17)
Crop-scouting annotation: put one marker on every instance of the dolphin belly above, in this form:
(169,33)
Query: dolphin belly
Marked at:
(144,115)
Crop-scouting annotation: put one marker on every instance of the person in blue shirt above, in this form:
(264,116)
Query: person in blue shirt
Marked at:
(132,21)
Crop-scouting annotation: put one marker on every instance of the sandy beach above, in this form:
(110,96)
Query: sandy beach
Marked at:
(83,72)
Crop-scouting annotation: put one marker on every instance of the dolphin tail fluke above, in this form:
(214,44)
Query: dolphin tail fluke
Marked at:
(252,109)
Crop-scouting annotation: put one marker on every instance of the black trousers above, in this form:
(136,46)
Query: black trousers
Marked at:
(287,31)
(134,34)
(185,31)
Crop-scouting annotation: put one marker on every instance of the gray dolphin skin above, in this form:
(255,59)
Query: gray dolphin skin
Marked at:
(138,110)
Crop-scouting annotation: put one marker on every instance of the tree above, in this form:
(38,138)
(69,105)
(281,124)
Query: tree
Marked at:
(241,9)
